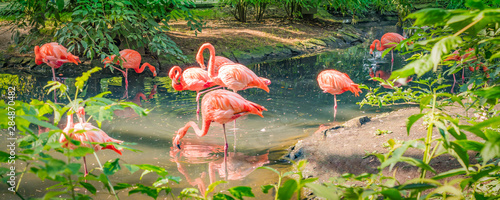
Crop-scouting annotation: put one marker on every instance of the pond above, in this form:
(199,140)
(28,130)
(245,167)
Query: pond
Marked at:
(296,108)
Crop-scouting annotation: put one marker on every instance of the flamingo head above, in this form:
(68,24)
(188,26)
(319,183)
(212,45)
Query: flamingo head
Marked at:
(372,47)
(176,141)
(38,56)
(81,114)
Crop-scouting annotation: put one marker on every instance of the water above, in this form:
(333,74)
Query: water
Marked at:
(296,108)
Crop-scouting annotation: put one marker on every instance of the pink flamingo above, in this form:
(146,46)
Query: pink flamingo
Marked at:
(335,82)
(234,76)
(193,78)
(388,40)
(467,57)
(54,55)
(219,106)
(131,60)
(91,134)
(386,75)
(219,60)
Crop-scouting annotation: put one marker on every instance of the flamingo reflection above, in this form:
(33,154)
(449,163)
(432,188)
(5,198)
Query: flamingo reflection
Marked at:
(236,166)
(128,112)
(386,75)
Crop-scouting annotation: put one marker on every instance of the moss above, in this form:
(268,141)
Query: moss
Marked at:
(317,42)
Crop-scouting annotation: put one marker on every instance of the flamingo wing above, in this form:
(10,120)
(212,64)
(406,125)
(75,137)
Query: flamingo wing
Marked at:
(335,82)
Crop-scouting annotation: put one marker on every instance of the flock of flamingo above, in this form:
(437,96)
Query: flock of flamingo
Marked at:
(217,105)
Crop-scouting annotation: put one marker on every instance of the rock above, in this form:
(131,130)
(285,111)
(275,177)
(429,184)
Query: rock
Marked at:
(356,122)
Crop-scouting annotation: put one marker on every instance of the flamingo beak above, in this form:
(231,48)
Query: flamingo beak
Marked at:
(179,146)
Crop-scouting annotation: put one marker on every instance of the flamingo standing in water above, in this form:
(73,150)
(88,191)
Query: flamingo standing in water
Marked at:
(218,60)
(193,78)
(219,106)
(234,76)
(388,40)
(91,134)
(131,60)
(335,82)
(54,55)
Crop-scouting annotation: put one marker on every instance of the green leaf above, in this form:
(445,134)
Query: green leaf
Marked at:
(418,163)
(323,191)
(269,168)
(266,188)
(450,173)
(152,192)
(411,120)
(36,121)
(121,186)
(221,196)
(470,145)
(287,190)
(212,186)
(241,191)
(391,193)
(475,4)
(111,168)
(81,151)
(429,17)
(89,187)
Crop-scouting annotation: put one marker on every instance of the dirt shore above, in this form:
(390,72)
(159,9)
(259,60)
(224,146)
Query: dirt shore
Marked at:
(333,151)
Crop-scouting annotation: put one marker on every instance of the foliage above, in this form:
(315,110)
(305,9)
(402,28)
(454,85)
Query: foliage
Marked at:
(40,152)
(97,28)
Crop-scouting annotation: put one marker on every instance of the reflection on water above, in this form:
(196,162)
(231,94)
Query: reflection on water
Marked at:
(296,108)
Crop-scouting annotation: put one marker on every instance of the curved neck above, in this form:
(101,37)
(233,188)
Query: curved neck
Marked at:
(69,123)
(199,56)
(175,73)
(140,95)
(378,45)
(199,132)
(141,69)
(211,61)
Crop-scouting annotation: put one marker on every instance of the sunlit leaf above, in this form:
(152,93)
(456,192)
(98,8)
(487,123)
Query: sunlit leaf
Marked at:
(411,120)
(286,191)
(241,191)
(212,186)
(323,191)
(112,167)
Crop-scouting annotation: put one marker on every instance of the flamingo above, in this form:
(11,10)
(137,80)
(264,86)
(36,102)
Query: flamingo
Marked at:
(131,60)
(467,57)
(54,55)
(219,106)
(193,78)
(91,134)
(335,82)
(388,40)
(386,75)
(234,76)
(219,60)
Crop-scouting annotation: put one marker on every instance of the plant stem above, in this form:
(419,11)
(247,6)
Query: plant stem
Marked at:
(22,174)
(468,26)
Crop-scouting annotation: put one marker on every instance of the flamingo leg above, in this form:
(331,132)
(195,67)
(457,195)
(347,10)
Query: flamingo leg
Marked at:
(392,59)
(54,79)
(225,151)
(463,73)
(197,105)
(454,81)
(335,107)
(234,144)
(85,167)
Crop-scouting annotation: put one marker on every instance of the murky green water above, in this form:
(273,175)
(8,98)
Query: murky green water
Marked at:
(296,108)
